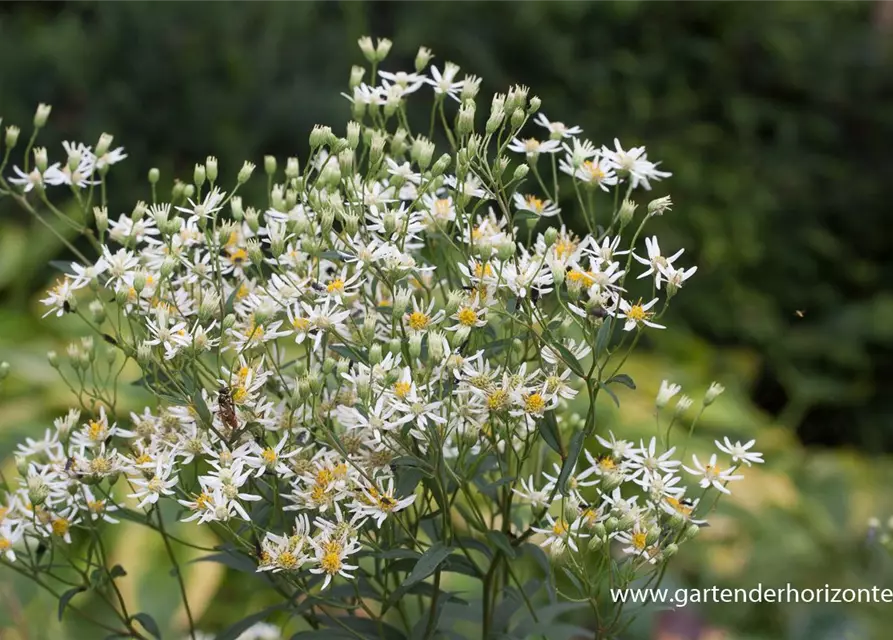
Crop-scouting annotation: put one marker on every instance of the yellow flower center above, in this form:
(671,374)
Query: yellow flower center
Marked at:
(418,320)
(637,313)
(595,172)
(324,477)
(534,203)
(336,285)
(564,247)
(467,316)
(287,560)
(483,270)
(678,506)
(531,145)
(497,399)
(534,403)
(559,528)
(96,506)
(100,465)
(96,430)
(239,395)
(331,563)
(639,540)
(580,277)
(202,502)
(269,456)
(401,389)
(386,503)
(238,256)
(300,324)
(60,526)
(606,463)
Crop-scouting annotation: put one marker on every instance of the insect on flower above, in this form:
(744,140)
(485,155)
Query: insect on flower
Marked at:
(226,409)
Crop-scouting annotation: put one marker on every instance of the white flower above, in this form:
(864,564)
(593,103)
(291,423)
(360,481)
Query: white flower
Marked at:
(711,474)
(532,147)
(666,392)
(560,534)
(541,208)
(656,261)
(557,130)
(740,452)
(637,315)
(713,392)
(634,162)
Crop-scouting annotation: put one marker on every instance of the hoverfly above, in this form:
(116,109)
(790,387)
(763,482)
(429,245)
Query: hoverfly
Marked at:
(226,409)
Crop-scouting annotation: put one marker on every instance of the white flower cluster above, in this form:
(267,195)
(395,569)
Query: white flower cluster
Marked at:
(378,313)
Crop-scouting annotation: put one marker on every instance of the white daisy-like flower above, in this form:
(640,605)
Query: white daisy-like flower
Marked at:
(740,452)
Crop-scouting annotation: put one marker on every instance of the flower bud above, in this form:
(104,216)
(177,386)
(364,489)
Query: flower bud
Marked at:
(4,370)
(658,206)
(521,172)
(198,175)
(690,532)
(228,321)
(367,48)
(211,168)
(356,77)
(269,165)
(596,543)
(627,211)
(245,172)
(97,311)
(12,136)
(550,236)
(713,392)
(611,524)
(375,354)
(495,121)
(101,216)
(40,158)
(41,115)
(105,142)
(53,359)
(154,175)
(518,118)
(251,217)
(442,164)
(121,297)
(415,345)
(383,49)
(422,58)
(626,522)
(465,119)
(342,367)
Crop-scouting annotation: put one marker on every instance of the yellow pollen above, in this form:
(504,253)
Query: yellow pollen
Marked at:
(637,313)
(60,526)
(559,528)
(532,145)
(331,563)
(269,456)
(418,320)
(336,285)
(534,403)
(467,316)
(287,560)
(4,544)
(497,399)
(238,256)
(606,463)
(239,395)
(324,477)
(318,494)
(202,502)
(639,540)
(580,277)
(96,506)
(483,270)
(143,458)
(386,503)
(595,171)
(535,203)
(301,324)
(401,389)
(242,291)
(96,430)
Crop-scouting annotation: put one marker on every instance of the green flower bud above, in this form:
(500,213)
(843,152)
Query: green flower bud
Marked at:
(245,172)
(154,175)
(12,136)
(422,58)
(269,165)
(41,115)
(521,172)
(228,321)
(375,354)
(211,168)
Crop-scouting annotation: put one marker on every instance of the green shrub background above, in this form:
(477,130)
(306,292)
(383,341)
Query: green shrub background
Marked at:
(776,120)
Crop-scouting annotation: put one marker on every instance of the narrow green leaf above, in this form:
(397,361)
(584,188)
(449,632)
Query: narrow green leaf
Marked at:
(573,452)
(604,336)
(429,561)
(623,379)
(66,597)
(548,428)
(569,358)
(611,393)
(501,542)
(148,623)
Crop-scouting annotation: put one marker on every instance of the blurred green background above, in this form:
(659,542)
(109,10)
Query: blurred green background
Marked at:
(776,120)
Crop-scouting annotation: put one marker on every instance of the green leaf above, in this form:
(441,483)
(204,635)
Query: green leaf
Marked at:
(611,393)
(623,379)
(237,561)
(351,354)
(576,445)
(569,359)
(66,597)
(148,623)
(548,428)
(604,336)
(429,561)
(201,407)
(501,542)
